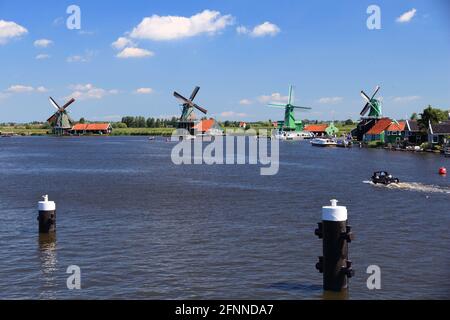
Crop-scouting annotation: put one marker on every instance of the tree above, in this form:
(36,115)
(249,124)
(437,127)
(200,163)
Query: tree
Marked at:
(431,115)
(129,121)
(150,122)
(414,116)
(348,122)
(82,120)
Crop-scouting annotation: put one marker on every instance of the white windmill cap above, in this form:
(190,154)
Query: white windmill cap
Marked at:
(334,212)
(46,205)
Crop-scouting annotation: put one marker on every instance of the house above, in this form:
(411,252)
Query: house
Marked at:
(439,133)
(323,129)
(395,133)
(210,127)
(242,124)
(377,132)
(91,128)
(413,134)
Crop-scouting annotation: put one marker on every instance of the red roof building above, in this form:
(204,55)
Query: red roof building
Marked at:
(316,128)
(377,132)
(91,128)
(209,126)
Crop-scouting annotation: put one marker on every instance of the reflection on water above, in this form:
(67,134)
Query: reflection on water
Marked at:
(48,259)
(330,295)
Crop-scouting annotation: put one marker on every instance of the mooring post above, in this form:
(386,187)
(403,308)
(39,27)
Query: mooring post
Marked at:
(336,235)
(47,215)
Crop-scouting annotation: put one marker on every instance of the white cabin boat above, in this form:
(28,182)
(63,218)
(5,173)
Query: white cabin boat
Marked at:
(323,142)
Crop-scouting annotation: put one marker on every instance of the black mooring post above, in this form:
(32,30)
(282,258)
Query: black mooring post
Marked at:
(47,216)
(336,235)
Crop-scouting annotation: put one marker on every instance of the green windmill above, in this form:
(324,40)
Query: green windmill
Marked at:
(289,123)
(372,104)
(60,121)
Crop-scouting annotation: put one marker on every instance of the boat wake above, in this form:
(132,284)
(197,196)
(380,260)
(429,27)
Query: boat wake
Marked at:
(413,186)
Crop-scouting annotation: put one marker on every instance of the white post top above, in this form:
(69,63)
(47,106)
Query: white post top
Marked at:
(46,205)
(334,212)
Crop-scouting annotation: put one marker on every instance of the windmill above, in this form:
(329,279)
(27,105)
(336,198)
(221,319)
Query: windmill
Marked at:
(187,118)
(60,120)
(289,123)
(373,106)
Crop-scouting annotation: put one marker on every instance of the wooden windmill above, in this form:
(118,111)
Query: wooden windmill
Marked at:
(187,118)
(60,121)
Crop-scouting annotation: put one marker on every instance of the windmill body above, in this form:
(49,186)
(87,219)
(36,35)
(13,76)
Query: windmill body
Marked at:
(289,127)
(187,119)
(60,121)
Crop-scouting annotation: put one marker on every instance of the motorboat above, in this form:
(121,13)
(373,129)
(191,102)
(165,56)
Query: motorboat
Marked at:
(384,177)
(323,142)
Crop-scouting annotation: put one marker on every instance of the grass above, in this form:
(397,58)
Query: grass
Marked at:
(24,130)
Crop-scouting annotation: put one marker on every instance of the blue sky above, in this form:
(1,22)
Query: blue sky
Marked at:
(242,54)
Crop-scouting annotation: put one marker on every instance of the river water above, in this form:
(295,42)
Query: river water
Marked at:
(140,227)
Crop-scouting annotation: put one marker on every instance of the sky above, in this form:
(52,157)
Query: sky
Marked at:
(128,57)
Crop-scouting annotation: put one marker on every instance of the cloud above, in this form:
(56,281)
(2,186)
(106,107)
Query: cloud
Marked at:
(232,114)
(144,91)
(330,100)
(407,16)
(19,88)
(43,43)
(123,42)
(42,56)
(89,91)
(165,28)
(134,53)
(245,102)
(406,99)
(262,30)
(10,30)
(274,97)
(86,57)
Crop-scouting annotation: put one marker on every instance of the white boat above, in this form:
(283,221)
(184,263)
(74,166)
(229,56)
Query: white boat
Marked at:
(323,142)
(293,135)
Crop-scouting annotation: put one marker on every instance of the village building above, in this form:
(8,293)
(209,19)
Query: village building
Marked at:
(377,132)
(91,128)
(209,127)
(439,133)
(413,134)
(395,133)
(242,124)
(323,129)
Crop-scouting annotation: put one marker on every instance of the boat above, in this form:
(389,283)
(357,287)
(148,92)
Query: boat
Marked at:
(343,143)
(384,177)
(293,135)
(323,142)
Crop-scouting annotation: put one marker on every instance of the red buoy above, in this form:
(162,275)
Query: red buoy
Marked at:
(442,171)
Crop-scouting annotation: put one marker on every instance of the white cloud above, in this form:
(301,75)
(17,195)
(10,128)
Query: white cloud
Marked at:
(144,91)
(330,100)
(134,53)
(43,43)
(264,29)
(42,56)
(163,28)
(232,114)
(245,102)
(89,91)
(122,42)
(19,88)
(274,97)
(406,99)
(10,30)
(407,16)
(86,57)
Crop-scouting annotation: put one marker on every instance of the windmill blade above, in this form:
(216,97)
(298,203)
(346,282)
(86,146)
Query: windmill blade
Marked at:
(277,105)
(194,93)
(201,109)
(375,93)
(68,103)
(181,98)
(53,103)
(298,107)
(52,118)
(368,104)
(365,109)
(291,88)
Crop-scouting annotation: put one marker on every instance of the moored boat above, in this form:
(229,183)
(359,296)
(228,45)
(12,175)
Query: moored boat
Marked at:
(323,142)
